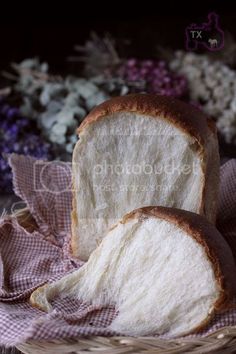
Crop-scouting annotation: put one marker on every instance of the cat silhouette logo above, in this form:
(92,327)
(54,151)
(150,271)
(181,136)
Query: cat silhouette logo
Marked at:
(208,35)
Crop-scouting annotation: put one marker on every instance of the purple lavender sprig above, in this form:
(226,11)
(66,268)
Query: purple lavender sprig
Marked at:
(20,135)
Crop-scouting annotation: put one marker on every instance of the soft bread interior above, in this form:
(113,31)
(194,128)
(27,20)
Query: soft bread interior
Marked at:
(158,277)
(125,161)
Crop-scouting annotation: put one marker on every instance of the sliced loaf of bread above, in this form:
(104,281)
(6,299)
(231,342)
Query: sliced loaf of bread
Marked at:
(167,271)
(136,151)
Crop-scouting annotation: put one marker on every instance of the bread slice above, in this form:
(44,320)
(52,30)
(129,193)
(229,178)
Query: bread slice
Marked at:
(167,271)
(140,150)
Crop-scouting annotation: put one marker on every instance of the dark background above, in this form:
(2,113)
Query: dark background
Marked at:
(51,32)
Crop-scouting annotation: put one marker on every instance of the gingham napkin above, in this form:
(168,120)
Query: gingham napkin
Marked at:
(28,260)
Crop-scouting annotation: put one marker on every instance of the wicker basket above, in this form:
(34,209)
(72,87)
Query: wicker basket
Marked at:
(221,341)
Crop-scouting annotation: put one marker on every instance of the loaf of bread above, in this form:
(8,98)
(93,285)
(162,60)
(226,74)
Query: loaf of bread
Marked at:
(141,150)
(167,271)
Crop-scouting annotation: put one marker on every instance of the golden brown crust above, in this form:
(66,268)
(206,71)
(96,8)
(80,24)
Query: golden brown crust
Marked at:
(212,174)
(212,125)
(186,117)
(209,237)
(74,217)
(33,301)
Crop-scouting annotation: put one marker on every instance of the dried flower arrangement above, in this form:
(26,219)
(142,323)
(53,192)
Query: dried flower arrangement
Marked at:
(50,108)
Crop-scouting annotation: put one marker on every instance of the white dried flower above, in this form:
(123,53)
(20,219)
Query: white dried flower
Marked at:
(51,91)
(213,84)
(83,87)
(58,105)
(233,104)
(31,63)
(57,133)
(96,99)
(69,147)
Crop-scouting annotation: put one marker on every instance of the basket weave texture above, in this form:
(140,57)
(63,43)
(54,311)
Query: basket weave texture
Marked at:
(222,341)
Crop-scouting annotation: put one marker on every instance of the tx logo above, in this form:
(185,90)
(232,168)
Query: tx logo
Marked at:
(208,35)
(196,34)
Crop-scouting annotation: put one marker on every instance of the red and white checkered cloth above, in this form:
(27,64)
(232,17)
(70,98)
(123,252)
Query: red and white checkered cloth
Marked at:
(28,260)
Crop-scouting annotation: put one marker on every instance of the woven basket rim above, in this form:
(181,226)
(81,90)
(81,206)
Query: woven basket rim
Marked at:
(223,338)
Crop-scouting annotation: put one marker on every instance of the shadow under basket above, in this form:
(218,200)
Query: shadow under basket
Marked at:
(220,341)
